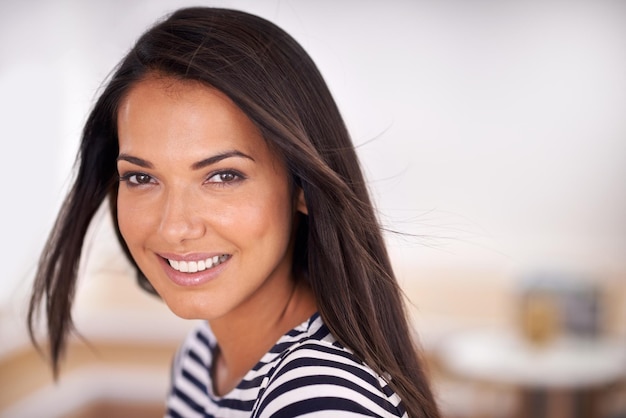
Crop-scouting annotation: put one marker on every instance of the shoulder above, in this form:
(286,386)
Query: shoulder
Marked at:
(198,345)
(318,375)
(189,380)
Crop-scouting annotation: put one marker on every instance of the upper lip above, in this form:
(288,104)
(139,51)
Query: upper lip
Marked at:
(190,256)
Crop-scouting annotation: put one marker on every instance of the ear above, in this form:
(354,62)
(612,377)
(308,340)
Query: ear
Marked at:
(301,202)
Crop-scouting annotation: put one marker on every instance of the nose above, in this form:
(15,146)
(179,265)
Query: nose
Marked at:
(181,219)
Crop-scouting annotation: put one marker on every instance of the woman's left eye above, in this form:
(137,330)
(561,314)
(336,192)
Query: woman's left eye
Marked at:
(225,177)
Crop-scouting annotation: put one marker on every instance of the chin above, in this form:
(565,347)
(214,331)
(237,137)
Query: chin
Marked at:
(187,308)
(186,312)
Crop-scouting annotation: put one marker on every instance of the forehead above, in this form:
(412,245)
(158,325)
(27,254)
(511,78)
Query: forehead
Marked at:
(162,110)
(174,123)
(157,94)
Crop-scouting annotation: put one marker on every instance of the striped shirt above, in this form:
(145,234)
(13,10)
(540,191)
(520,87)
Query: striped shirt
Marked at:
(306,372)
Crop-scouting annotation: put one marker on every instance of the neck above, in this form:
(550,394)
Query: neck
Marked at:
(244,338)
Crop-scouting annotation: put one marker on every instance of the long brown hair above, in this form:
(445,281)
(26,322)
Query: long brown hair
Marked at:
(339,245)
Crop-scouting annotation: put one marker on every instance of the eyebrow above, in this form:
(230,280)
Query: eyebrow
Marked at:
(219,157)
(195,166)
(135,160)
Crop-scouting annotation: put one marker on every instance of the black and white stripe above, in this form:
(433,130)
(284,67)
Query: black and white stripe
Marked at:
(307,373)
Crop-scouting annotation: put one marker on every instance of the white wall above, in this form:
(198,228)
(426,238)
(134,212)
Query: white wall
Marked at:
(494,130)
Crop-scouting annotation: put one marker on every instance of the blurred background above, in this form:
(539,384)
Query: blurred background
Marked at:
(492,134)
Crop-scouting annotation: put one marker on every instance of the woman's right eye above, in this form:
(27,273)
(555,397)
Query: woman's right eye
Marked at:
(137,179)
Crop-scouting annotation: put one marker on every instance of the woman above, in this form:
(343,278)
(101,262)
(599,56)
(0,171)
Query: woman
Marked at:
(238,196)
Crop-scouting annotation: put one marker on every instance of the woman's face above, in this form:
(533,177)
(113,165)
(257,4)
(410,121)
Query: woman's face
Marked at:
(205,207)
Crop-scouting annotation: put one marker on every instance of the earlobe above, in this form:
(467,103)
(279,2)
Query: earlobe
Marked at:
(301,202)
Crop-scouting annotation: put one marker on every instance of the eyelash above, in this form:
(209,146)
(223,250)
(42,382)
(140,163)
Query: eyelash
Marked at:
(236,177)
(127,178)
(148,179)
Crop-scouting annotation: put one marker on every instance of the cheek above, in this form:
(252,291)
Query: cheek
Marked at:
(270,219)
(124,223)
(129,220)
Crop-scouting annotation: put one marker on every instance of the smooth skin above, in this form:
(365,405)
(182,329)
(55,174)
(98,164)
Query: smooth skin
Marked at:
(197,179)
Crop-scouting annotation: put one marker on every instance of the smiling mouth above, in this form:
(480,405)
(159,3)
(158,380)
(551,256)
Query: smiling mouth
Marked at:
(196,266)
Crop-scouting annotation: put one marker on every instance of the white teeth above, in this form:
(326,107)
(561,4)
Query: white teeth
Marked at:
(196,266)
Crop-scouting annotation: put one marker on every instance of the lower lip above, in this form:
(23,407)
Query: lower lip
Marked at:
(192,279)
